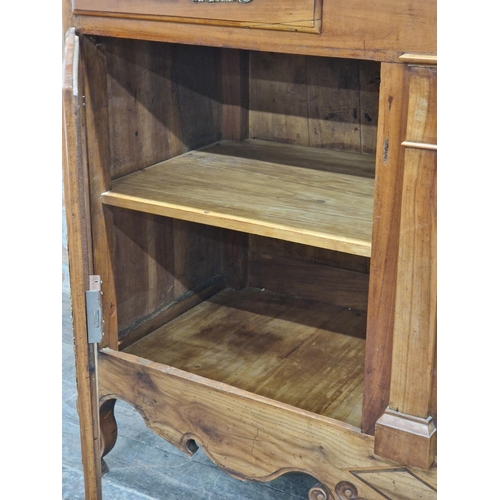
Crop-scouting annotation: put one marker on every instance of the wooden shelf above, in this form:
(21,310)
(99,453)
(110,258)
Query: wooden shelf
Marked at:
(300,352)
(305,195)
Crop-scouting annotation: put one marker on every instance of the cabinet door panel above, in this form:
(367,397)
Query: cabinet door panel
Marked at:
(80,260)
(294,15)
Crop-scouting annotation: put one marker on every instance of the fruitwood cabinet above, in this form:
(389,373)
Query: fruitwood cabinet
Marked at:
(251,209)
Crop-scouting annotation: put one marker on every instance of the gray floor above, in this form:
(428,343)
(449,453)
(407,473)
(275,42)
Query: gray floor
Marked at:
(142,465)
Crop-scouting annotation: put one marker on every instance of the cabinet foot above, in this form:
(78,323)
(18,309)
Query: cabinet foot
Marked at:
(104,467)
(108,427)
(406,439)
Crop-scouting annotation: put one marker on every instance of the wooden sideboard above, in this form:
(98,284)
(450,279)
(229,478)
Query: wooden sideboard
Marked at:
(251,211)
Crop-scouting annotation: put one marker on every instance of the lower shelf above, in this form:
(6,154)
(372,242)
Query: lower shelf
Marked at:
(304,353)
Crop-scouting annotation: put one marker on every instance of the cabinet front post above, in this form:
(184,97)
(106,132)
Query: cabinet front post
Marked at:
(406,432)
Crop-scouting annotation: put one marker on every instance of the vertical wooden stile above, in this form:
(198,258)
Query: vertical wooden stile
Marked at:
(97,139)
(406,431)
(386,224)
(80,260)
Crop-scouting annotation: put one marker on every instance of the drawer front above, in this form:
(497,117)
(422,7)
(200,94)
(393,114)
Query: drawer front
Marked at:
(290,15)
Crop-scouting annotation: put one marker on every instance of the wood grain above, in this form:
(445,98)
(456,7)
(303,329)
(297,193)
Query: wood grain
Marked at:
(313,203)
(407,424)
(354,29)
(144,270)
(67,20)
(278,98)
(300,352)
(97,128)
(163,101)
(314,101)
(341,287)
(415,313)
(419,59)
(422,106)
(299,15)
(369,94)
(400,484)
(333,104)
(248,436)
(235,94)
(75,176)
(158,260)
(308,254)
(386,224)
(179,305)
(406,439)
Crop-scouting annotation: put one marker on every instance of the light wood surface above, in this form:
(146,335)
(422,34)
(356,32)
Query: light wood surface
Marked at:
(289,192)
(76,198)
(416,303)
(420,59)
(341,287)
(406,439)
(386,225)
(96,126)
(407,424)
(163,100)
(275,385)
(234,91)
(415,327)
(358,29)
(250,436)
(304,353)
(169,258)
(296,15)
(314,101)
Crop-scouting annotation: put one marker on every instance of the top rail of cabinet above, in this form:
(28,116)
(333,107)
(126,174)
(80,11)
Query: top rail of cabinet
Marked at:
(380,30)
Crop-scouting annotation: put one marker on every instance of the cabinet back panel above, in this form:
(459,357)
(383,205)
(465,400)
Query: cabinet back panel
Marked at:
(314,101)
(310,273)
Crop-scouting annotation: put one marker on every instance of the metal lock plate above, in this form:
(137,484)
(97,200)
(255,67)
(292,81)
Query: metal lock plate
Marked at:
(93,300)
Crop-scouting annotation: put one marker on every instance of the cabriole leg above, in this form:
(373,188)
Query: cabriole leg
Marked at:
(108,427)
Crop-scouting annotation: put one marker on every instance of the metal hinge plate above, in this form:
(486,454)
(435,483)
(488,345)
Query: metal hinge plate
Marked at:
(93,300)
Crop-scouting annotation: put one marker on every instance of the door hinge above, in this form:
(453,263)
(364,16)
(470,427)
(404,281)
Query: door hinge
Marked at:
(93,301)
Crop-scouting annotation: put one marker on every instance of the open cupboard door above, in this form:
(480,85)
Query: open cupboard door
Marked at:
(80,259)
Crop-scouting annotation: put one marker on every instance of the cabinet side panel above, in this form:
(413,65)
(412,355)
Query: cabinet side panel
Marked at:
(164,100)
(144,264)
(161,261)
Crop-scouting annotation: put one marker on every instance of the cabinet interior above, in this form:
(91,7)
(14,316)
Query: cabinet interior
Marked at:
(238,211)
